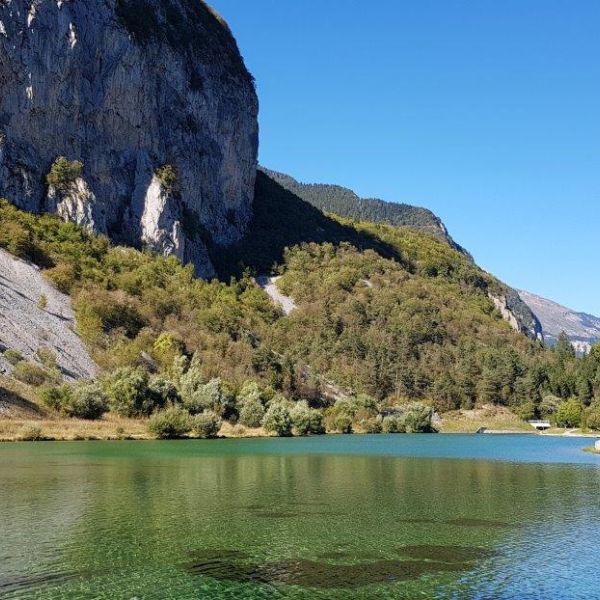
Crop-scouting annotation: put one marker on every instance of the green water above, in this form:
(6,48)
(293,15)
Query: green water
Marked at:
(335,517)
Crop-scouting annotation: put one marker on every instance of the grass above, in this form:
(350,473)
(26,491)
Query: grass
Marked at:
(493,418)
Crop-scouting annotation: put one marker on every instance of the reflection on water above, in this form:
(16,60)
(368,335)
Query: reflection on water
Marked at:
(180,520)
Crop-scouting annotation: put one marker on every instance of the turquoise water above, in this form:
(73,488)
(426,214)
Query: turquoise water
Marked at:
(404,516)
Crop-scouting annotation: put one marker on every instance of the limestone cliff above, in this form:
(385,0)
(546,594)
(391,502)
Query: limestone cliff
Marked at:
(129,87)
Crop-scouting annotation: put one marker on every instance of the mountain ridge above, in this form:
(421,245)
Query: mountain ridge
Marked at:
(583,329)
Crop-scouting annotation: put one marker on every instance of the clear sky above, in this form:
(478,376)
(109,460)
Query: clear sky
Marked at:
(485,111)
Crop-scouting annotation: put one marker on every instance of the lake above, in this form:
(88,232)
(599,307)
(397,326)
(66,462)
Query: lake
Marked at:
(399,516)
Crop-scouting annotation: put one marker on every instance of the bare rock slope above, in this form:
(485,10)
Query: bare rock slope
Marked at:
(25,326)
(583,329)
(127,88)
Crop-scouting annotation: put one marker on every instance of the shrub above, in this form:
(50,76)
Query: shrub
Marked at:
(569,414)
(128,393)
(87,401)
(525,411)
(55,397)
(30,433)
(214,395)
(14,357)
(342,423)
(163,390)
(62,276)
(252,413)
(592,417)
(47,357)
(372,425)
(42,302)
(167,177)
(63,172)
(83,400)
(33,374)
(306,420)
(173,422)
(206,425)
(277,419)
(417,418)
(393,424)
(549,406)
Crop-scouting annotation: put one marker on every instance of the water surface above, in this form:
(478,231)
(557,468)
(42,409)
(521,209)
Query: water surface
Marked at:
(404,516)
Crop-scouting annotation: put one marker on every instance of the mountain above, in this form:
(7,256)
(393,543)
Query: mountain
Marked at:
(282,195)
(583,329)
(346,203)
(152,110)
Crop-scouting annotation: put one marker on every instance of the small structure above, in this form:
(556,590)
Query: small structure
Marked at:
(540,425)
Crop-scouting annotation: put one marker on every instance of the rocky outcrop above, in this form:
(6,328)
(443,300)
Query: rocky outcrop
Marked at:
(583,329)
(128,87)
(26,325)
(517,314)
(75,202)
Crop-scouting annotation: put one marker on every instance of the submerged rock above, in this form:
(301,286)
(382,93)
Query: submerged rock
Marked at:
(128,87)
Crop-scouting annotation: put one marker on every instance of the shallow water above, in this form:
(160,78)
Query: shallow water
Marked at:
(330,517)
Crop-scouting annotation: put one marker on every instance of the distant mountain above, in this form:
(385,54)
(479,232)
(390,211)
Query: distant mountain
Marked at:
(344,202)
(583,329)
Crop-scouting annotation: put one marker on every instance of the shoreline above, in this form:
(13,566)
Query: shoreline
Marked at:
(118,429)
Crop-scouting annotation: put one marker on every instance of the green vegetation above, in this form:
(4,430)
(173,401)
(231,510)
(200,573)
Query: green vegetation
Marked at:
(391,324)
(173,422)
(42,302)
(167,177)
(344,202)
(64,172)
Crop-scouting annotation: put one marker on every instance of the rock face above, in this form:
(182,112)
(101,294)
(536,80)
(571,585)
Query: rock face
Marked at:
(27,327)
(128,87)
(583,329)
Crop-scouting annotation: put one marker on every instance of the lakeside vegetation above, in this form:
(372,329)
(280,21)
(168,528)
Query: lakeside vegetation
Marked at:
(391,325)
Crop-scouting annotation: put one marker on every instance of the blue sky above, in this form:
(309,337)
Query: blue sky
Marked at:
(486,112)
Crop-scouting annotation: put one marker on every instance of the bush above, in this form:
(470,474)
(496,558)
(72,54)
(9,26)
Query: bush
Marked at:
(42,302)
(549,406)
(393,424)
(592,417)
(47,357)
(163,390)
(63,172)
(339,417)
(14,357)
(215,395)
(306,420)
(342,423)
(167,177)
(252,413)
(84,400)
(206,425)
(87,401)
(30,433)
(525,411)
(277,419)
(173,422)
(33,374)
(128,393)
(569,414)
(55,397)
(372,425)
(417,418)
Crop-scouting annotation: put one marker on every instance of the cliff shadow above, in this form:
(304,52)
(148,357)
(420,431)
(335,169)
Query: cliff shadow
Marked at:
(281,220)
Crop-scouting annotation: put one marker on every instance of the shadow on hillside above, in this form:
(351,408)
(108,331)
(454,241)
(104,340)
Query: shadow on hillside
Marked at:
(14,405)
(281,220)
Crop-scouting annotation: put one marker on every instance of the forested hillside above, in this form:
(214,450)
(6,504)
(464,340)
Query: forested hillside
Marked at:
(385,317)
(346,203)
